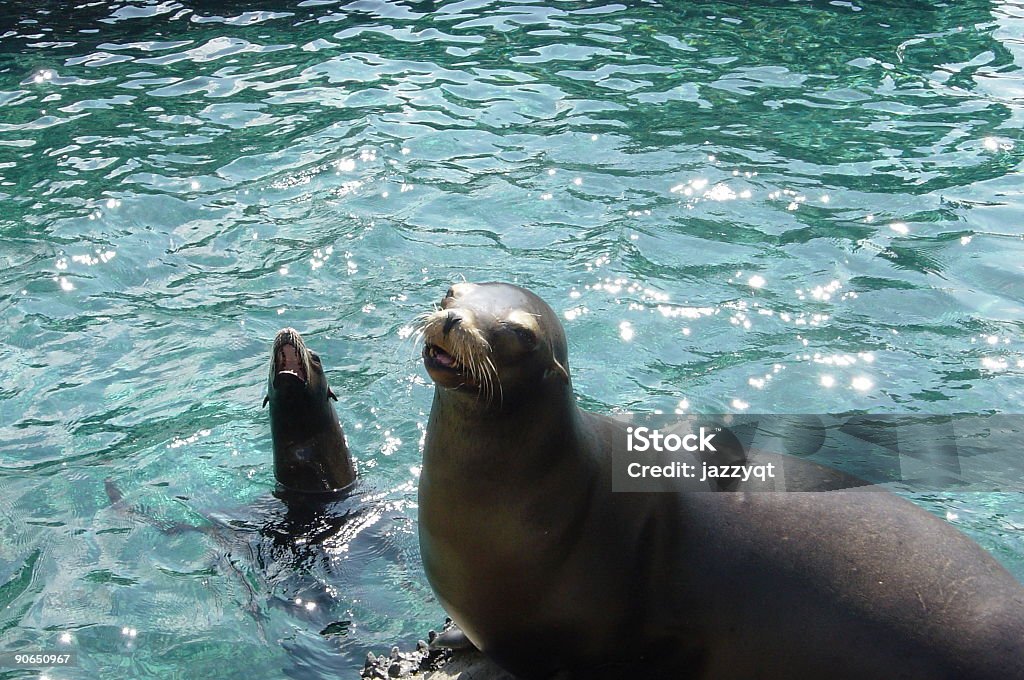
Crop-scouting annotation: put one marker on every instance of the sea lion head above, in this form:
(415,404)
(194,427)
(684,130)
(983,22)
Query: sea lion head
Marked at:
(296,373)
(494,342)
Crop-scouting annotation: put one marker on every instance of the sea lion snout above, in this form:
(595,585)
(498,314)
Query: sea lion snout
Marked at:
(290,356)
(456,351)
(450,323)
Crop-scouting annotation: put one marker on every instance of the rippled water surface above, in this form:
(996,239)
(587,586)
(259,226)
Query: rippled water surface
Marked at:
(776,207)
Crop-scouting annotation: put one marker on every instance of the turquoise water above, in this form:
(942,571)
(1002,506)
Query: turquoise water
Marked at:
(776,207)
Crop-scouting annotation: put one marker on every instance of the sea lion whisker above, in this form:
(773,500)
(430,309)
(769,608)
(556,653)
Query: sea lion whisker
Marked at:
(497,378)
(423,321)
(484,379)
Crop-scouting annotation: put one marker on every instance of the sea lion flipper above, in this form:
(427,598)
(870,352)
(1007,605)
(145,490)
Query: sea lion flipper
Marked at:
(453,638)
(331,394)
(266,400)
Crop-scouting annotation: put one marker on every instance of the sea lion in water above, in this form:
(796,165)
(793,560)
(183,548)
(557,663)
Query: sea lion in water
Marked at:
(310,453)
(550,573)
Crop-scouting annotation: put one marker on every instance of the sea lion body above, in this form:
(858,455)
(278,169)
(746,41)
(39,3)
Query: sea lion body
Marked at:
(550,573)
(310,451)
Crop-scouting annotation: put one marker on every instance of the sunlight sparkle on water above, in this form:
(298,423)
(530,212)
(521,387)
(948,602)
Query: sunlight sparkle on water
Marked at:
(996,364)
(685,312)
(841,360)
(690,187)
(997,144)
(820,293)
(721,192)
(862,383)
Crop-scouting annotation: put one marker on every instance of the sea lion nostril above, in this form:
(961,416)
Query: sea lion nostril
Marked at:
(451,322)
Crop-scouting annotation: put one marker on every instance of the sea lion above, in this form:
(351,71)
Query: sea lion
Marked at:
(550,573)
(310,453)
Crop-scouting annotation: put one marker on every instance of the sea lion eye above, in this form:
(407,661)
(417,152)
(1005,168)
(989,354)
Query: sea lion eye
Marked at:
(315,357)
(525,335)
(450,293)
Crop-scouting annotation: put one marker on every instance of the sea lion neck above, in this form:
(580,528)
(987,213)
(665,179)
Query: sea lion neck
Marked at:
(462,433)
(310,451)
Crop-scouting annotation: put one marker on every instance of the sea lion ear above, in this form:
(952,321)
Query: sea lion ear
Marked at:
(266,400)
(559,369)
(331,394)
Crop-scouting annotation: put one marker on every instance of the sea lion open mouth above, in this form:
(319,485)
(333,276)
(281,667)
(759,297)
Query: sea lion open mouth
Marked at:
(456,353)
(446,368)
(290,356)
(438,358)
